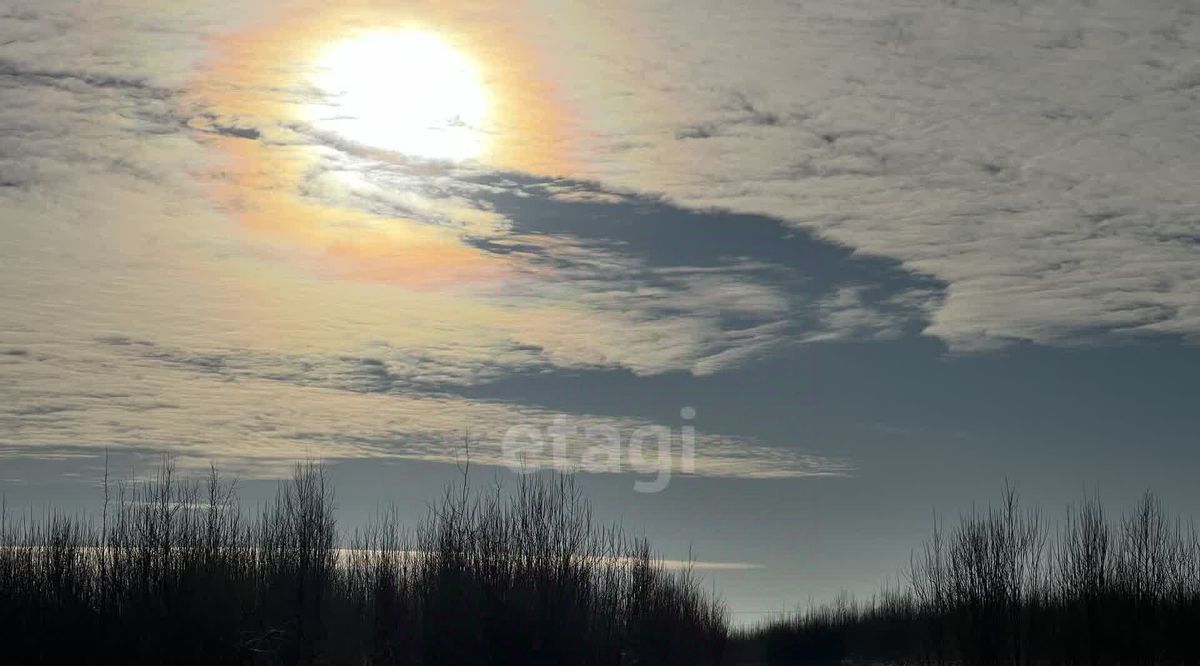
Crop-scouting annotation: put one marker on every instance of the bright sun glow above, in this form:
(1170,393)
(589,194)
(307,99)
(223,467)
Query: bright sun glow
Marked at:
(406,91)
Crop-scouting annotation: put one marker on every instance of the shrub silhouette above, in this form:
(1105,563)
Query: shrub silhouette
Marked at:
(176,572)
(1003,587)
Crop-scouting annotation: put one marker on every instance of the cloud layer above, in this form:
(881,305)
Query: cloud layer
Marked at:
(1038,156)
(187,263)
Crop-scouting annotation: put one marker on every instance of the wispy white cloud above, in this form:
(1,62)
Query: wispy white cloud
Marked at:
(256,415)
(850,313)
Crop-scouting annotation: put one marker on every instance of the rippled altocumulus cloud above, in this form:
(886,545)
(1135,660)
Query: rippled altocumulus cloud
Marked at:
(1038,156)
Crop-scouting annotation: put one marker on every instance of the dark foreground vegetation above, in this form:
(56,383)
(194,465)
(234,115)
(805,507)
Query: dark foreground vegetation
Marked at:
(176,572)
(1005,587)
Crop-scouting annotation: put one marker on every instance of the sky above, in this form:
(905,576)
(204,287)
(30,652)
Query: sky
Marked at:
(778,280)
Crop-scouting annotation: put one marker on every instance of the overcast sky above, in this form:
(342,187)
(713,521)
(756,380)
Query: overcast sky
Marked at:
(880,256)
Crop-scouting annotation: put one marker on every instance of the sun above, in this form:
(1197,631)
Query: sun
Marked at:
(406,91)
